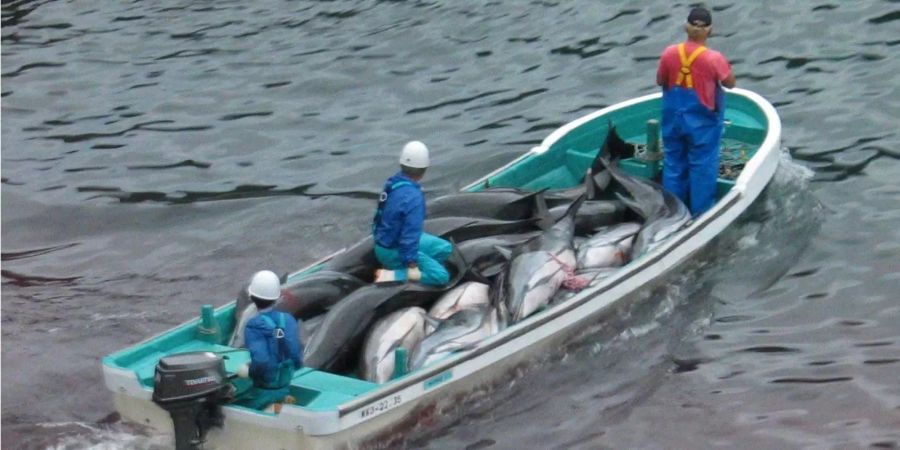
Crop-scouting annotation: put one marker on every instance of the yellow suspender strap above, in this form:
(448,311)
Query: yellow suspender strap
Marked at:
(684,76)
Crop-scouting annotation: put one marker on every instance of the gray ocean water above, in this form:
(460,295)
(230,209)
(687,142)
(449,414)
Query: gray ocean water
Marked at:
(155,154)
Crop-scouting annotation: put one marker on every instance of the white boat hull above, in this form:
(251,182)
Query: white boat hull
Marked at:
(384,414)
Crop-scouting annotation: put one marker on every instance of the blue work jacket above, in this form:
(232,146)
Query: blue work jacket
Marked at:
(400,217)
(272,358)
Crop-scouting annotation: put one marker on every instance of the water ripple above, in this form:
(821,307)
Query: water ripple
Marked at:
(811,380)
(27,67)
(771,349)
(12,256)
(189,53)
(113,111)
(185,163)
(146,126)
(586,48)
(889,17)
(24,280)
(456,101)
(242,192)
(237,116)
(878,362)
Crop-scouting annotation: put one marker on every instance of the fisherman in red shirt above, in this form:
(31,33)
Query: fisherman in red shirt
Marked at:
(692,76)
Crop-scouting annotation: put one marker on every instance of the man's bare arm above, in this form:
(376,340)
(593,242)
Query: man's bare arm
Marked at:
(730,81)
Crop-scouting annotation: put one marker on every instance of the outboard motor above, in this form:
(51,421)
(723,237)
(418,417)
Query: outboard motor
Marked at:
(192,387)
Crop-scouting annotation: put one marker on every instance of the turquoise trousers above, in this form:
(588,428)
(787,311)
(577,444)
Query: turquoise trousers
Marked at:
(433,251)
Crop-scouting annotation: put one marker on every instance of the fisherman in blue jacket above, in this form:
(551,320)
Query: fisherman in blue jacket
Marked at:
(401,246)
(274,343)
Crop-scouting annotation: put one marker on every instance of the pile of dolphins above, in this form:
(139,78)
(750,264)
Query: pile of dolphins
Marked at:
(513,250)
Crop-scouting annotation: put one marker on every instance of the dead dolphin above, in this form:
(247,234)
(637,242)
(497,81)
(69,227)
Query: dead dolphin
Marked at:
(663,213)
(469,294)
(308,327)
(482,254)
(338,339)
(593,187)
(357,260)
(608,247)
(315,293)
(593,214)
(465,228)
(330,347)
(463,330)
(500,204)
(403,328)
(593,276)
(536,268)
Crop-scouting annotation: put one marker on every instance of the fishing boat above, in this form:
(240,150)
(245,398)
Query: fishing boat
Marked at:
(338,410)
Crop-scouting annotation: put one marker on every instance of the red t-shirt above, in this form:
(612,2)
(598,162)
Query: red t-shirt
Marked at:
(707,70)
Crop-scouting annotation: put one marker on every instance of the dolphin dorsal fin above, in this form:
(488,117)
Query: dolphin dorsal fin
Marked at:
(541,212)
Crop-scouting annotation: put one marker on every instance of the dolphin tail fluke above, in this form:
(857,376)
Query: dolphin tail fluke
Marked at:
(614,148)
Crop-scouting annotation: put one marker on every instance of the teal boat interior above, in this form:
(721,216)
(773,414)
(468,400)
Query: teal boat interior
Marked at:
(314,389)
(562,165)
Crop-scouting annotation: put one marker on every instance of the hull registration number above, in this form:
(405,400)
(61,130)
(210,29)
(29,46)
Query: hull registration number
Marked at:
(380,406)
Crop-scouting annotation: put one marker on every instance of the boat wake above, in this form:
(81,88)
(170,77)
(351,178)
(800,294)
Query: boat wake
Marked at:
(762,245)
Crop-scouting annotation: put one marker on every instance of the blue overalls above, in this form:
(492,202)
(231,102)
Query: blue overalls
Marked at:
(691,133)
(396,228)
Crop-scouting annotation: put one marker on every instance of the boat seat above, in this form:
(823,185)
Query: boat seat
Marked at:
(318,390)
(558,178)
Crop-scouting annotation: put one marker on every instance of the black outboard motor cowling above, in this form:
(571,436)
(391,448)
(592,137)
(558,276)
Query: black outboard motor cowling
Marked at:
(192,387)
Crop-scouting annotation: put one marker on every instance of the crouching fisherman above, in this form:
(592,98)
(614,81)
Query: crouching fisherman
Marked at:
(274,344)
(401,246)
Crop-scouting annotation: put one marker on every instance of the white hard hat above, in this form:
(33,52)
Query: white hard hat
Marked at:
(414,154)
(265,285)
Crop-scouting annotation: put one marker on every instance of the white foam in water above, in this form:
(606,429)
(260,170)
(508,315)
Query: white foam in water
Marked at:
(791,170)
(97,317)
(83,436)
